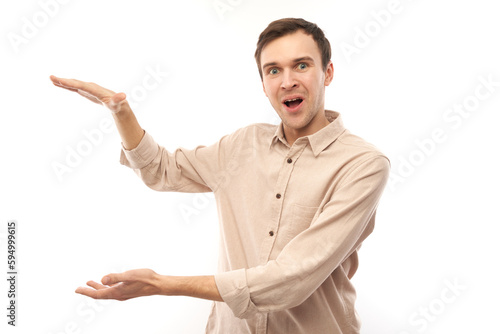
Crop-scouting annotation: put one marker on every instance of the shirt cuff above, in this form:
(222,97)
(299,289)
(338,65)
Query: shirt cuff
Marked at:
(233,288)
(142,155)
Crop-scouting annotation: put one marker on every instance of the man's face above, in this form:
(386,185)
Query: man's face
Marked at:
(294,81)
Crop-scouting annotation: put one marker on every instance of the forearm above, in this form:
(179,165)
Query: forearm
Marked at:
(203,287)
(128,127)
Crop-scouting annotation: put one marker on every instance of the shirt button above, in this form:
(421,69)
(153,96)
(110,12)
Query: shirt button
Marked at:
(289,160)
(271,233)
(278,196)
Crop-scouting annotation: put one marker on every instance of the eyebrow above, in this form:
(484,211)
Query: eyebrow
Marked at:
(296,60)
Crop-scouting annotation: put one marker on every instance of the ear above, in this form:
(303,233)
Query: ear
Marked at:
(264,88)
(329,73)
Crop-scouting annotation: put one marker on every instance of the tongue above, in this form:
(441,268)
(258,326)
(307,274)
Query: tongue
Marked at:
(294,104)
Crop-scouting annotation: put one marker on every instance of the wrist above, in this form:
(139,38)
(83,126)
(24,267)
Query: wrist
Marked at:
(123,115)
(165,285)
(192,286)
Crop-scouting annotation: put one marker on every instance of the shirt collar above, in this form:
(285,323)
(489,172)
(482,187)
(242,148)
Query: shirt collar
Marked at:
(320,140)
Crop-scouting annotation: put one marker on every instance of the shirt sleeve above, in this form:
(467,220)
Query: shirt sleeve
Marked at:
(308,259)
(183,170)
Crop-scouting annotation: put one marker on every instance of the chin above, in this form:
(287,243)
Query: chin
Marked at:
(296,125)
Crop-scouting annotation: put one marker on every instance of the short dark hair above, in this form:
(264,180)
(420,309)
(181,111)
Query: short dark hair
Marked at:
(283,27)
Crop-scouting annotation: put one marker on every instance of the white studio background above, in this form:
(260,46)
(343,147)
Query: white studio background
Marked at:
(420,79)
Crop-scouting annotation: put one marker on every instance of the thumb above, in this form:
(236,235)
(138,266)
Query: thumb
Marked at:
(112,279)
(117,102)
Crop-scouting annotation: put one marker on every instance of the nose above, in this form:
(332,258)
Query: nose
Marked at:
(289,81)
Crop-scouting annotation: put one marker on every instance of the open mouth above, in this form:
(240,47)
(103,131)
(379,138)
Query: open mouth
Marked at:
(293,103)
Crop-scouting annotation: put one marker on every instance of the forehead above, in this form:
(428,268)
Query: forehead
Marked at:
(289,47)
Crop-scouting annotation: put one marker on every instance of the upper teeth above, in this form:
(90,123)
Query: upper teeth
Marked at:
(298,98)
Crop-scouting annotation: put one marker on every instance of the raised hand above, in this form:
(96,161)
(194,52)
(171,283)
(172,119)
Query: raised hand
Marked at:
(128,127)
(95,93)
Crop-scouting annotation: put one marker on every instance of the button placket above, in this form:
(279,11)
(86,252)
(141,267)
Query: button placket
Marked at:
(280,190)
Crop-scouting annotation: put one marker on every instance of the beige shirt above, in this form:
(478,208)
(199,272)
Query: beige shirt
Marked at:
(292,219)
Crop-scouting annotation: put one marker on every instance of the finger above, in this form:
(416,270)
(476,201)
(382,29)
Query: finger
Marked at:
(112,279)
(82,87)
(89,96)
(92,293)
(58,82)
(71,84)
(96,285)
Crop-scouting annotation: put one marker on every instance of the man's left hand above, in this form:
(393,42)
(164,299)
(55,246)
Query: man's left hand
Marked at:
(127,285)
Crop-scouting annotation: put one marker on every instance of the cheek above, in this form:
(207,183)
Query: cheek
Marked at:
(315,85)
(270,90)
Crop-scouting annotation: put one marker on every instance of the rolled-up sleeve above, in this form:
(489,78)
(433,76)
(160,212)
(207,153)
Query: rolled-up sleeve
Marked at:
(142,155)
(183,170)
(311,256)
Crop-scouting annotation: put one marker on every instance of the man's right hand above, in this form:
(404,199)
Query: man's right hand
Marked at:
(128,127)
(95,93)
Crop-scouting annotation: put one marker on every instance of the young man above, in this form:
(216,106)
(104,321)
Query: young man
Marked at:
(295,200)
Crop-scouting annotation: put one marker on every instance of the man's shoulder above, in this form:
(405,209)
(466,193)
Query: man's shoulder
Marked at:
(360,157)
(358,146)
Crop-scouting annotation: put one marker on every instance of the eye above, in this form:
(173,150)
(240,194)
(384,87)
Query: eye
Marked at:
(302,66)
(273,71)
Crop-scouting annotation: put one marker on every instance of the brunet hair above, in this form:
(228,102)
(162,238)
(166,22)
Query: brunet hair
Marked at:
(288,26)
